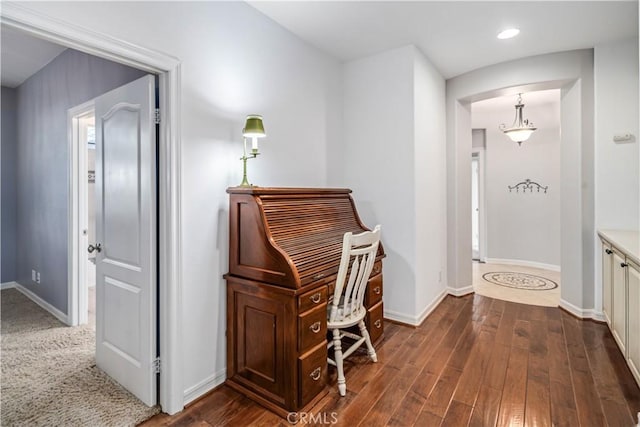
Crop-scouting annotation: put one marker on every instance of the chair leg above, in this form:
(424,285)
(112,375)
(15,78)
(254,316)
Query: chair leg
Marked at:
(367,340)
(337,348)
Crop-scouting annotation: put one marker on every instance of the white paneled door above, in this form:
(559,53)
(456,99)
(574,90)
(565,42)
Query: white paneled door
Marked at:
(126,234)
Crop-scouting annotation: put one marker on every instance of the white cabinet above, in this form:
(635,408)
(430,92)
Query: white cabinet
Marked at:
(633,337)
(607,278)
(619,285)
(621,292)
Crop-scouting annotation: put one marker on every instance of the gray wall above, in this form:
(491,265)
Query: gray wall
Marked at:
(8,203)
(43,163)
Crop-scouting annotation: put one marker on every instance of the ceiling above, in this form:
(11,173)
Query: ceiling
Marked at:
(456,36)
(23,56)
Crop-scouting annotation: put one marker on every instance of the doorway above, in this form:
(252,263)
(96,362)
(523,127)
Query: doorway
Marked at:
(520,188)
(478,210)
(169,247)
(82,123)
(115,224)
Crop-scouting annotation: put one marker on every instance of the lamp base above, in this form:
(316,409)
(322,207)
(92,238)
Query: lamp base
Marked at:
(245,182)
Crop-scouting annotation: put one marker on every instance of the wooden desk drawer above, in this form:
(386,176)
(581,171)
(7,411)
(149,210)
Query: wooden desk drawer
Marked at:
(375,321)
(312,299)
(312,328)
(312,370)
(377,268)
(374,291)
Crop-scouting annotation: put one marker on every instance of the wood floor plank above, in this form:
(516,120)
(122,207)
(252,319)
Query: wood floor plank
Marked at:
(561,394)
(458,414)
(408,411)
(428,419)
(512,405)
(431,365)
(614,406)
(588,404)
(486,407)
(629,387)
(521,334)
(438,400)
(475,361)
(473,374)
(386,405)
(366,370)
(537,405)
(364,401)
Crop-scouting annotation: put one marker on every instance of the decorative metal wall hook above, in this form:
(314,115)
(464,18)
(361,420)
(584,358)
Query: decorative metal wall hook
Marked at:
(527,184)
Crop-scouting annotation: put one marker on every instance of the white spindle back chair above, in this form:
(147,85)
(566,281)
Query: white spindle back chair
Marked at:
(347,309)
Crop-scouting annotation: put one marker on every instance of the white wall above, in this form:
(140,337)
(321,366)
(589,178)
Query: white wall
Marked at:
(522,226)
(616,111)
(393,158)
(235,62)
(430,184)
(617,164)
(573,72)
(378,162)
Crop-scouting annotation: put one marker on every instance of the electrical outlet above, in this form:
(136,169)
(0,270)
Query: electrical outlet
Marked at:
(37,277)
(33,275)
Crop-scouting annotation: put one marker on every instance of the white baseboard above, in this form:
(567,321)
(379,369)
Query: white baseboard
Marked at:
(582,313)
(42,303)
(415,320)
(523,263)
(204,386)
(8,285)
(460,292)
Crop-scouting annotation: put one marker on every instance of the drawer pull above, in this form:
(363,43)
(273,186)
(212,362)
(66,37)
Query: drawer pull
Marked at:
(315,298)
(318,276)
(315,375)
(608,251)
(378,324)
(624,264)
(315,328)
(377,290)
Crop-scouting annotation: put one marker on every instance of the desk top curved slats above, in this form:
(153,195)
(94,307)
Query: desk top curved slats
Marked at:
(308,226)
(310,231)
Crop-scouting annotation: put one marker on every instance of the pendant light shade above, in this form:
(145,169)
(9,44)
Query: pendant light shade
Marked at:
(521,129)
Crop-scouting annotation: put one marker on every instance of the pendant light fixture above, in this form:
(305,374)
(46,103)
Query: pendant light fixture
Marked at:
(521,129)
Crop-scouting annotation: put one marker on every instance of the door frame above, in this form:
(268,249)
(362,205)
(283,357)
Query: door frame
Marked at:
(167,67)
(482,205)
(77,302)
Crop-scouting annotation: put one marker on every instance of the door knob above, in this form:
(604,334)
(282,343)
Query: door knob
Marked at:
(97,247)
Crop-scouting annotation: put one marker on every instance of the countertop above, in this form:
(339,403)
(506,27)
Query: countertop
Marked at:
(627,241)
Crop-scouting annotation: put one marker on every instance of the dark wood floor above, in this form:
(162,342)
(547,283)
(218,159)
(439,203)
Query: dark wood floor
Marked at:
(475,361)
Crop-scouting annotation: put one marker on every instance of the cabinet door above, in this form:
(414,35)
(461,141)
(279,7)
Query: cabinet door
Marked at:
(633,342)
(607,297)
(619,329)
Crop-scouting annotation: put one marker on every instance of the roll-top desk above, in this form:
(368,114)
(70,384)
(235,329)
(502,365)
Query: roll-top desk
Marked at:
(284,252)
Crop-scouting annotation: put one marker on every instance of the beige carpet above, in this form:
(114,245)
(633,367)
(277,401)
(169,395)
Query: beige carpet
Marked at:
(49,377)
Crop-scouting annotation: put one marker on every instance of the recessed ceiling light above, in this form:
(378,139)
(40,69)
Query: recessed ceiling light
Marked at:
(508,33)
